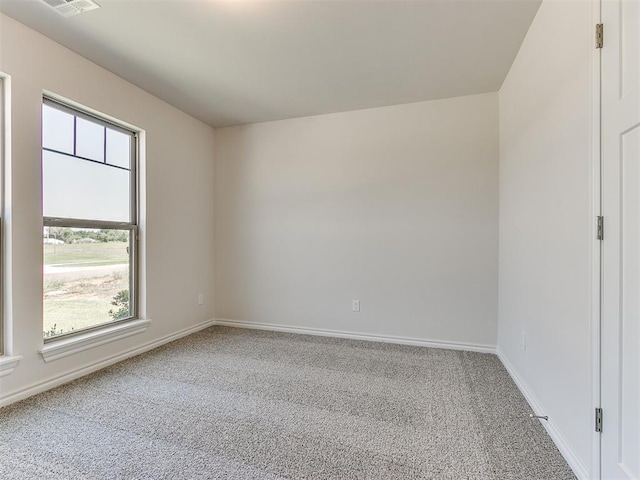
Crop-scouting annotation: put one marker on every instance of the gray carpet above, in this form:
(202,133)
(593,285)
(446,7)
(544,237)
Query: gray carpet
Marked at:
(229,403)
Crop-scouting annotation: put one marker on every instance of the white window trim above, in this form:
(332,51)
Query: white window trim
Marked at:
(64,347)
(8,364)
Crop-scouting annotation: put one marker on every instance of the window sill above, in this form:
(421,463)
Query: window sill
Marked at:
(70,346)
(8,364)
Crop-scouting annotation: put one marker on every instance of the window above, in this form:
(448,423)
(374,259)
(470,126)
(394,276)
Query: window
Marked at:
(90,221)
(2,149)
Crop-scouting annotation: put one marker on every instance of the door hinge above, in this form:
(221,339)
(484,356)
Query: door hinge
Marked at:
(599,35)
(598,420)
(600,228)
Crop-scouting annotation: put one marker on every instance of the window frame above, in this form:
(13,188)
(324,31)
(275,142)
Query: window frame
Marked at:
(132,226)
(3,149)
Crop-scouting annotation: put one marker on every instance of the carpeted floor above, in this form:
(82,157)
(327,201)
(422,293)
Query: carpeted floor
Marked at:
(238,404)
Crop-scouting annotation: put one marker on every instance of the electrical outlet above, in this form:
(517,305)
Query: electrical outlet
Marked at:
(524,341)
(200,299)
(355,306)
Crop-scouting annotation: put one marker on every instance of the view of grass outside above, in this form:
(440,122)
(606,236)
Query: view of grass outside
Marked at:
(86,278)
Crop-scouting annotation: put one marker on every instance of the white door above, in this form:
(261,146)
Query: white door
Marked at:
(620,327)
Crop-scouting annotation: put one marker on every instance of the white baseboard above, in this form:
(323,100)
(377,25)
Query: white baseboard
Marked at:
(556,435)
(472,347)
(50,383)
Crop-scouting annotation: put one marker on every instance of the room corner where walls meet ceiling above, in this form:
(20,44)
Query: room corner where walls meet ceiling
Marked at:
(229,63)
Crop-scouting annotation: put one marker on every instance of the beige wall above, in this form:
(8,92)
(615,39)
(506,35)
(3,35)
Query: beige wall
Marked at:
(178,224)
(546,191)
(394,206)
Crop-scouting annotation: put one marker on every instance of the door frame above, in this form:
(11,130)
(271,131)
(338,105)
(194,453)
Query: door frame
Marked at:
(595,246)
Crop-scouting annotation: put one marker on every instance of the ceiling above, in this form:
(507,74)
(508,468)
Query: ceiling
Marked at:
(230,62)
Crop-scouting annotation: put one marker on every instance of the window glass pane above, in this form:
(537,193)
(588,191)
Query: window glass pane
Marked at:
(89,140)
(86,278)
(76,188)
(118,149)
(57,129)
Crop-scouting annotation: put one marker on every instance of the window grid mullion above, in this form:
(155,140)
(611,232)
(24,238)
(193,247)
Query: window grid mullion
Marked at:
(104,145)
(75,136)
(46,149)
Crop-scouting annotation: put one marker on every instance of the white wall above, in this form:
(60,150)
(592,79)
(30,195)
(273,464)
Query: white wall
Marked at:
(178,224)
(546,167)
(394,206)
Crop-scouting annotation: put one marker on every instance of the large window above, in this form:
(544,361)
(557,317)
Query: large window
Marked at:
(90,221)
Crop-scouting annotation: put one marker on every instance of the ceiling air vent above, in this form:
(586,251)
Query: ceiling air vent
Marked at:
(68,8)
